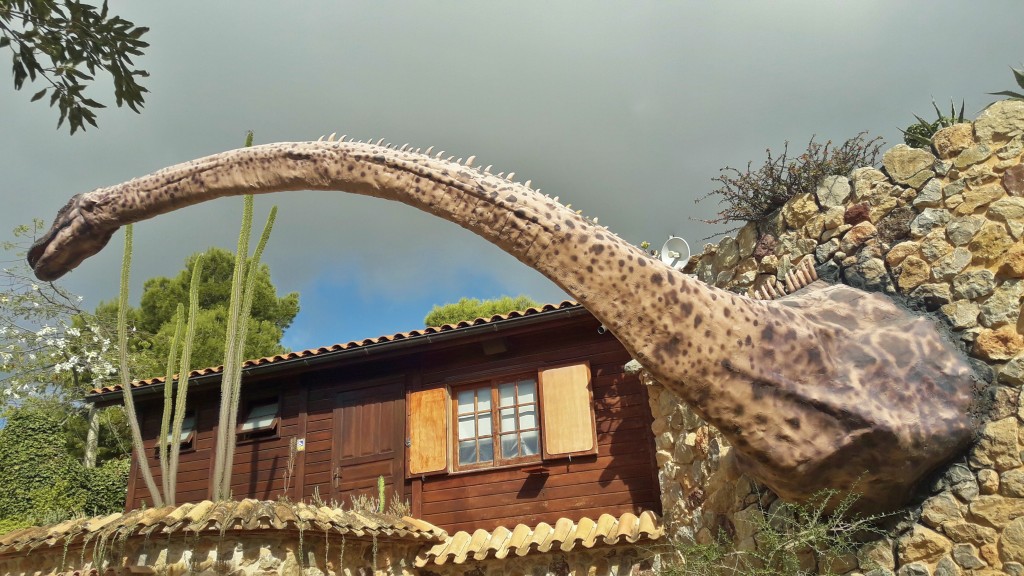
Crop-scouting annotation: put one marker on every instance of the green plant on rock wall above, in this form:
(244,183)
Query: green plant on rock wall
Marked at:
(919,135)
(1018,75)
(791,540)
(753,195)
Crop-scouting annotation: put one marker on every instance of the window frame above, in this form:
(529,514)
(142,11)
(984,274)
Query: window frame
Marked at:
(189,443)
(270,432)
(493,385)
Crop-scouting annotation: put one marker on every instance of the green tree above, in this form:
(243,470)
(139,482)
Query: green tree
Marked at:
(472,308)
(153,319)
(64,43)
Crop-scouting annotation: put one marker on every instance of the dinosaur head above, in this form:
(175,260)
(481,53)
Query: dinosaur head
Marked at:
(74,236)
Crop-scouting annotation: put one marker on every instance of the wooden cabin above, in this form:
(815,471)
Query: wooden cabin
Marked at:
(519,418)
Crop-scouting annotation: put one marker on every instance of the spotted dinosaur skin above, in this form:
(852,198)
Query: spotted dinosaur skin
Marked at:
(830,388)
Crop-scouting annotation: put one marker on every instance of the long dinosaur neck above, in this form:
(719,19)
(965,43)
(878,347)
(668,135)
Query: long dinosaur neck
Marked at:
(662,316)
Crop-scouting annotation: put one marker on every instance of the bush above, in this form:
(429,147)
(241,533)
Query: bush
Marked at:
(471,309)
(753,195)
(40,482)
(784,533)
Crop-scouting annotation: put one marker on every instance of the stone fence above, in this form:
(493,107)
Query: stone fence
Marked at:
(940,231)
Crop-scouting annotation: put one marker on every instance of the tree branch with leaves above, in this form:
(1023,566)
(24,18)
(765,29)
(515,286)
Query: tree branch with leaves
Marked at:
(63,44)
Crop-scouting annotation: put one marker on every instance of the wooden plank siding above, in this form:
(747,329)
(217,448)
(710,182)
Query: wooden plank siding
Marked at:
(314,403)
(621,477)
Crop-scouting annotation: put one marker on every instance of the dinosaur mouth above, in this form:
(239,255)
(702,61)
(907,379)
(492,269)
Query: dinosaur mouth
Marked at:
(70,240)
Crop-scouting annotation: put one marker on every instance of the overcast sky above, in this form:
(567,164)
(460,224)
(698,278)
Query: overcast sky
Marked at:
(626,110)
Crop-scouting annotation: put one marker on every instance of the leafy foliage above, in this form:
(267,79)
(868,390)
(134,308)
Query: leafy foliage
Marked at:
(48,344)
(153,321)
(784,533)
(472,308)
(753,195)
(920,135)
(40,481)
(64,43)
(1018,75)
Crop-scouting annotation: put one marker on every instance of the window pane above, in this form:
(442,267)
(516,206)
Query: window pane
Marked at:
(188,426)
(527,391)
(483,399)
(466,428)
(467,452)
(530,442)
(507,393)
(508,419)
(260,417)
(527,417)
(484,424)
(486,450)
(466,401)
(509,446)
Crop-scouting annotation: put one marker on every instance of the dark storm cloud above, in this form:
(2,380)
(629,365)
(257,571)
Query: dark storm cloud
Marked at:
(625,110)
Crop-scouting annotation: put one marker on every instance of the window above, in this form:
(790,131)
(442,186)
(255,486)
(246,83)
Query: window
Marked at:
(187,439)
(546,415)
(261,420)
(497,423)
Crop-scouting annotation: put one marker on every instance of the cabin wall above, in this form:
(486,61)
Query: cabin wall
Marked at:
(334,466)
(619,478)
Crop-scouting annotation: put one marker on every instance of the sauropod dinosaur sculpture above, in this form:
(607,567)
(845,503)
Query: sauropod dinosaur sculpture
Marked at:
(830,388)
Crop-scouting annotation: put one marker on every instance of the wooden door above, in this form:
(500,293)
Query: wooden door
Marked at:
(369,440)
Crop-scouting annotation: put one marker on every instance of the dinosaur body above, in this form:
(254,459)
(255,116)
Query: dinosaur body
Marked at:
(831,388)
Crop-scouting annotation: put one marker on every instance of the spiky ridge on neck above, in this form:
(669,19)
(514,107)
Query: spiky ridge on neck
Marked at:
(804,388)
(639,299)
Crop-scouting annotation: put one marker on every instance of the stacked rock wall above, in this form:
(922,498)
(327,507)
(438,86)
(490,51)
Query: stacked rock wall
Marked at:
(941,231)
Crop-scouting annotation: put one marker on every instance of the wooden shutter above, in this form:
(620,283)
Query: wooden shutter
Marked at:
(428,431)
(568,411)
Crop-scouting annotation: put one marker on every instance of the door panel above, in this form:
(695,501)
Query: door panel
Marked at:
(368,443)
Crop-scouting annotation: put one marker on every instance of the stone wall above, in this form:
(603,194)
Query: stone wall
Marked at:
(942,231)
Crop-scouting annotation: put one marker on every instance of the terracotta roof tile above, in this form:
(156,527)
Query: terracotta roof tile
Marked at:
(311,352)
(246,515)
(522,539)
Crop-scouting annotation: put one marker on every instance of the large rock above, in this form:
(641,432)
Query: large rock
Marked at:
(975,198)
(833,191)
(974,284)
(913,272)
(940,509)
(990,243)
(996,511)
(962,229)
(972,155)
(1003,307)
(1013,180)
(799,210)
(910,166)
(1011,264)
(997,446)
(954,139)
(1000,123)
(1001,344)
(1011,545)
(922,544)
(951,264)
(1010,208)
(1011,483)
(927,220)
